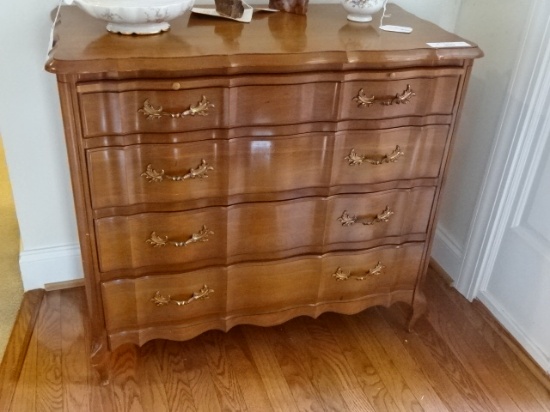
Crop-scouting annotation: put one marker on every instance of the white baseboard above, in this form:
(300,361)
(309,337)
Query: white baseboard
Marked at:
(447,253)
(50,265)
(536,352)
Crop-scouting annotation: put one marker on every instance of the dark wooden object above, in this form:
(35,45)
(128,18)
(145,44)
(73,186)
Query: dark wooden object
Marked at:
(231,8)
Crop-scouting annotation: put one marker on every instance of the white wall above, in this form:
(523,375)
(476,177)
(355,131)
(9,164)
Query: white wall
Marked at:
(31,128)
(440,12)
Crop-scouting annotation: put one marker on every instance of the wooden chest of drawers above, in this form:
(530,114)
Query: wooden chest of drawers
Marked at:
(227,173)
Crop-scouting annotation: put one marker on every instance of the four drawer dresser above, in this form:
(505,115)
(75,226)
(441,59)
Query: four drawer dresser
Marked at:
(228,173)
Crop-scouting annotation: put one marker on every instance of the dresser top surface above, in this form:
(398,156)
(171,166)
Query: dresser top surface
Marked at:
(273,42)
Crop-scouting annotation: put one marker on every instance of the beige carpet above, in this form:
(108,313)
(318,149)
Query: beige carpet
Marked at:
(11,288)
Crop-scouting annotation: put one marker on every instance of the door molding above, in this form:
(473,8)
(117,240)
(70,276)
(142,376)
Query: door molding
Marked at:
(528,98)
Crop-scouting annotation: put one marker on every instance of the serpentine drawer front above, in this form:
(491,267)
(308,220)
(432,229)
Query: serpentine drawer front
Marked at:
(217,186)
(221,296)
(207,170)
(145,107)
(224,235)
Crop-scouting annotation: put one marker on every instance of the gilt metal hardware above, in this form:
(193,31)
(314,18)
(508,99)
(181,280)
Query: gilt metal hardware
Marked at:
(155,176)
(163,300)
(363,100)
(347,220)
(160,241)
(355,159)
(199,109)
(340,274)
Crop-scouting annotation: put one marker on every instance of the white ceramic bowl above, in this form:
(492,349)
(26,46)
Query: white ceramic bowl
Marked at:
(135,16)
(362,10)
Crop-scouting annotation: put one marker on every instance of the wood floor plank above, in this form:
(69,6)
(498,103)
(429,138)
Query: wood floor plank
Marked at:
(24,398)
(526,390)
(507,392)
(357,402)
(226,384)
(178,390)
(124,379)
(450,379)
(200,378)
(368,378)
(101,396)
(498,339)
(389,373)
(49,387)
(317,358)
(278,392)
(76,371)
(412,372)
(332,374)
(17,346)
(515,357)
(296,372)
(327,356)
(246,372)
(150,378)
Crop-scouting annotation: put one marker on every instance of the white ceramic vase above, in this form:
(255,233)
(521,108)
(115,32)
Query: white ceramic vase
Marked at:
(362,10)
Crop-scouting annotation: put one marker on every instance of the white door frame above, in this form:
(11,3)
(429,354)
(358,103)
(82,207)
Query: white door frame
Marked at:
(523,115)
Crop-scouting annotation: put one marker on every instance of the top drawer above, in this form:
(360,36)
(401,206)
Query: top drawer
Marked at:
(167,106)
(151,111)
(384,99)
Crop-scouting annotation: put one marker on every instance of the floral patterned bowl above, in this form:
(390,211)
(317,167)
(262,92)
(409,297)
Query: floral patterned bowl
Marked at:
(135,16)
(362,10)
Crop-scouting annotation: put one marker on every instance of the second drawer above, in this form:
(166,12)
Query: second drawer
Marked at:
(172,173)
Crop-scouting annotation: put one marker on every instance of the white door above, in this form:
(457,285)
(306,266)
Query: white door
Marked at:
(507,262)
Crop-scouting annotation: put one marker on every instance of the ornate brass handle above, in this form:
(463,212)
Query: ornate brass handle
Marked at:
(155,176)
(161,300)
(199,109)
(347,220)
(363,100)
(355,159)
(375,271)
(159,241)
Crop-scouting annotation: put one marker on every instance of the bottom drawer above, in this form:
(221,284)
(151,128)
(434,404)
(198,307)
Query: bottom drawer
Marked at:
(150,300)
(181,306)
(309,282)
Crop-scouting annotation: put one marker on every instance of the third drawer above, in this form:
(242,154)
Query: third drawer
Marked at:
(150,242)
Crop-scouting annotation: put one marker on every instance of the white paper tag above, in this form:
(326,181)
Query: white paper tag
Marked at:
(446,44)
(396,29)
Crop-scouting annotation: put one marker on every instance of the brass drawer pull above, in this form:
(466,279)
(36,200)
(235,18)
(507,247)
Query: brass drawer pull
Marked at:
(355,159)
(199,109)
(161,300)
(347,220)
(159,241)
(363,100)
(375,271)
(155,176)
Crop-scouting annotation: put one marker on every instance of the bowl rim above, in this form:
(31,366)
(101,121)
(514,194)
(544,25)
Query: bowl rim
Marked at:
(131,4)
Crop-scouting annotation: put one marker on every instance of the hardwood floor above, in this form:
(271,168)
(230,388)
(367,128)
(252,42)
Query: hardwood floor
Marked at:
(456,359)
